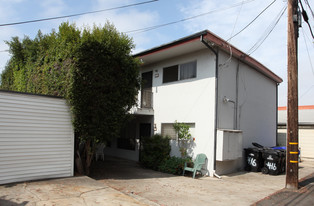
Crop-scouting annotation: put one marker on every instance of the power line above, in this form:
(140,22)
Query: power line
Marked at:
(308,53)
(79,14)
(186,19)
(307,3)
(306,18)
(309,39)
(252,20)
(235,23)
(267,32)
(309,89)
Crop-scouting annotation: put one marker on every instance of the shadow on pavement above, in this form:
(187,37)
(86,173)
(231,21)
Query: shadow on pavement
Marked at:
(307,181)
(115,168)
(4,202)
(304,196)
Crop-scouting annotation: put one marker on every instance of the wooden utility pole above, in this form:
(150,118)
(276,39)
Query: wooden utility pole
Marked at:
(292,169)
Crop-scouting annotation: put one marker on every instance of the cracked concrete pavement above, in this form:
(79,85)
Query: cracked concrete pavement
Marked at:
(65,191)
(123,182)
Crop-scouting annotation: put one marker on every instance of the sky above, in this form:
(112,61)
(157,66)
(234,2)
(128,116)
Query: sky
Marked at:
(224,18)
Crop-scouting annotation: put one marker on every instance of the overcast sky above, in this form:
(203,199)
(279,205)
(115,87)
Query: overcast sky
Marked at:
(224,18)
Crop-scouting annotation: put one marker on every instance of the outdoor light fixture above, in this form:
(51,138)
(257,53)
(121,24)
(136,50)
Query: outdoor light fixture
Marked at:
(225,100)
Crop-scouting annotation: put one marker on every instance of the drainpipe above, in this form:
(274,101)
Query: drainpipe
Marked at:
(277,84)
(237,96)
(216,101)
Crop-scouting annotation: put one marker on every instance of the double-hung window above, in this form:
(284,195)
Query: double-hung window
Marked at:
(179,72)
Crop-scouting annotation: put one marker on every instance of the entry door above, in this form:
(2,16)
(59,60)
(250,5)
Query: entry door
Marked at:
(145,131)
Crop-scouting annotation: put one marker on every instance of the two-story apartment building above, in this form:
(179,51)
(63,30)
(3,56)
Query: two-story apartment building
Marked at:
(228,98)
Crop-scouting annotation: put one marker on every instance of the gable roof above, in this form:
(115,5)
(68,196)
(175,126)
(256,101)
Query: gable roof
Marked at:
(193,43)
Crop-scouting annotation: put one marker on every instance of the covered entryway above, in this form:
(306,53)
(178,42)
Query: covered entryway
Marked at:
(128,145)
(36,137)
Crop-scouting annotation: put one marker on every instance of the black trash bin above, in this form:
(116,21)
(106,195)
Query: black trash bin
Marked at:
(254,159)
(274,161)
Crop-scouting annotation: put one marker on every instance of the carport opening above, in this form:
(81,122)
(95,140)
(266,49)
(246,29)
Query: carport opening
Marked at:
(118,168)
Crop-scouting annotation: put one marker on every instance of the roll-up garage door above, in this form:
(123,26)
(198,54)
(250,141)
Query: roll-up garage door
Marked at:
(36,137)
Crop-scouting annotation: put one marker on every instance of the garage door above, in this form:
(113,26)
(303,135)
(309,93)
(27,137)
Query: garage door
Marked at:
(36,138)
(306,139)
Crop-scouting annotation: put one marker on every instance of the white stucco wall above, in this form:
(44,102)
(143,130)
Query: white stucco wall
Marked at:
(190,101)
(193,101)
(256,110)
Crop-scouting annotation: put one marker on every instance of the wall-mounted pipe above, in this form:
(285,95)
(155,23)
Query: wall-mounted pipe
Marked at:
(226,100)
(216,98)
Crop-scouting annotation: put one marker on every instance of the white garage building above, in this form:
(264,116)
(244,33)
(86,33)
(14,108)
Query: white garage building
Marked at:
(306,129)
(36,137)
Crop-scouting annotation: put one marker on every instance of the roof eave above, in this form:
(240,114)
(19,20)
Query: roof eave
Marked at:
(221,44)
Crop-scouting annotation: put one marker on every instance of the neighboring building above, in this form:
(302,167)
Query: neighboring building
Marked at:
(306,129)
(227,97)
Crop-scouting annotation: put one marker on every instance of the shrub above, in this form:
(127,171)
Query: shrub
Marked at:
(174,165)
(155,150)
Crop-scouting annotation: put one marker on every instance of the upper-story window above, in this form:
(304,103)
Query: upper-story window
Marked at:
(179,72)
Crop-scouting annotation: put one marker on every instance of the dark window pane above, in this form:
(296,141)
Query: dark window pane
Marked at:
(170,74)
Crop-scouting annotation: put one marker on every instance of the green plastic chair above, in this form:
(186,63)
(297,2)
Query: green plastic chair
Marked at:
(198,163)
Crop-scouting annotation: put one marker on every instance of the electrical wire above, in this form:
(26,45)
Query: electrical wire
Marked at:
(236,21)
(308,53)
(309,39)
(135,31)
(306,18)
(308,5)
(229,60)
(79,14)
(252,20)
(309,89)
(267,32)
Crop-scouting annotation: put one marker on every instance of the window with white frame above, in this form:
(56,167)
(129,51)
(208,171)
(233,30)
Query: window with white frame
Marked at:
(168,130)
(179,72)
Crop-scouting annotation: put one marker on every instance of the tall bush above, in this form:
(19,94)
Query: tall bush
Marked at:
(155,150)
(92,68)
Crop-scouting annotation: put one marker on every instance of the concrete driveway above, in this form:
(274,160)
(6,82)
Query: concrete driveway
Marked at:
(237,189)
(122,182)
(74,191)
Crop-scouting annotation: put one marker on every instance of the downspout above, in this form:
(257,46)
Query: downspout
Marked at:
(216,102)
(237,96)
(277,84)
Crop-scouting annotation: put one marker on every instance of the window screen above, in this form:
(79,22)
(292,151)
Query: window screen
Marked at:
(168,130)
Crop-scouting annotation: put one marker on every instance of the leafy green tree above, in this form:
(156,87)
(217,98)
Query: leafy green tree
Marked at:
(93,69)
(105,82)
